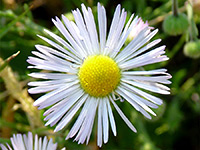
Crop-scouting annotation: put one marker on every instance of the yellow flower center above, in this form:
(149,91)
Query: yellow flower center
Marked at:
(99,75)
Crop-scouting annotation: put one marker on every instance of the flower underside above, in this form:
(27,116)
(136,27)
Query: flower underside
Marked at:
(99,75)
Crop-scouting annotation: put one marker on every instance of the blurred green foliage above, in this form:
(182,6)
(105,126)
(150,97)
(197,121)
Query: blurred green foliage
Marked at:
(177,125)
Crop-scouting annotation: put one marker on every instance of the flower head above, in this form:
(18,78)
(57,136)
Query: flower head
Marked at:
(138,28)
(92,69)
(24,142)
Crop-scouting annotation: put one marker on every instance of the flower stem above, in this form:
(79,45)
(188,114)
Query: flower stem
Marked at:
(175,7)
(193,31)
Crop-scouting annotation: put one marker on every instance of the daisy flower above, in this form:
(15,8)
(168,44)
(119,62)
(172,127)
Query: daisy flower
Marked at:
(24,142)
(88,70)
(139,27)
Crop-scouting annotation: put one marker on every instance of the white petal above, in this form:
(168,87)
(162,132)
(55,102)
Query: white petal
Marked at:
(159,79)
(51,145)
(79,51)
(90,120)
(55,60)
(70,114)
(84,33)
(56,95)
(49,51)
(53,82)
(36,143)
(86,127)
(3,147)
(8,146)
(76,35)
(153,87)
(61,48)
(17,142)
(30,140)
(135,98)
(91,27)
(48,65)
(150,72)
(44,143)
(105,121)
(129,124)
(40,144)
(133,45)
(62,108)
(113,26)
(124,35)
(112,121)
(143,49)
(74,47)
(135,91)
(134,104)
(25,139)
(43,89)
(151,57)
(51,75)
(102,21)
(114,40)
(80,120)
(49,57)
(99,125)
(151,98)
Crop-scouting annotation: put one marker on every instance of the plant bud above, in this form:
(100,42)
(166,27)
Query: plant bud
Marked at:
(175,25)
(192,49)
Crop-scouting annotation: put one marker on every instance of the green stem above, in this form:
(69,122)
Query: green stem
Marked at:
(193,31)
(177,47)
(175,7)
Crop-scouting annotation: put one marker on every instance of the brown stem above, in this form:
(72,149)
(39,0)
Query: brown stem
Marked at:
(8,115)
(15,89)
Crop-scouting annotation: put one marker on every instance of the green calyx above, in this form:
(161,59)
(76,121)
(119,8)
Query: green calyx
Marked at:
(192,49)
(175,25)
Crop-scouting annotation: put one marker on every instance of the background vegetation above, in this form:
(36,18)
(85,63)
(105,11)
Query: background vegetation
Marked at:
(177,125)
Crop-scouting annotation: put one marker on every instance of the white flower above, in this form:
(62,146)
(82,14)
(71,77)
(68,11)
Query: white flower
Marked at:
(138,28)
(92,69)
(24,142)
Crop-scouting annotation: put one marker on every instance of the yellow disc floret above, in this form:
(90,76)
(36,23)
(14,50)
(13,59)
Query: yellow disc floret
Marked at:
(99,75)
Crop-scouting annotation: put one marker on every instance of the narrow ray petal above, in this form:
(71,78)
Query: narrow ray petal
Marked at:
(153,87)
(129,124)
(70,114)
(99,126)
(102,22)
(111,118)
(105,121)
